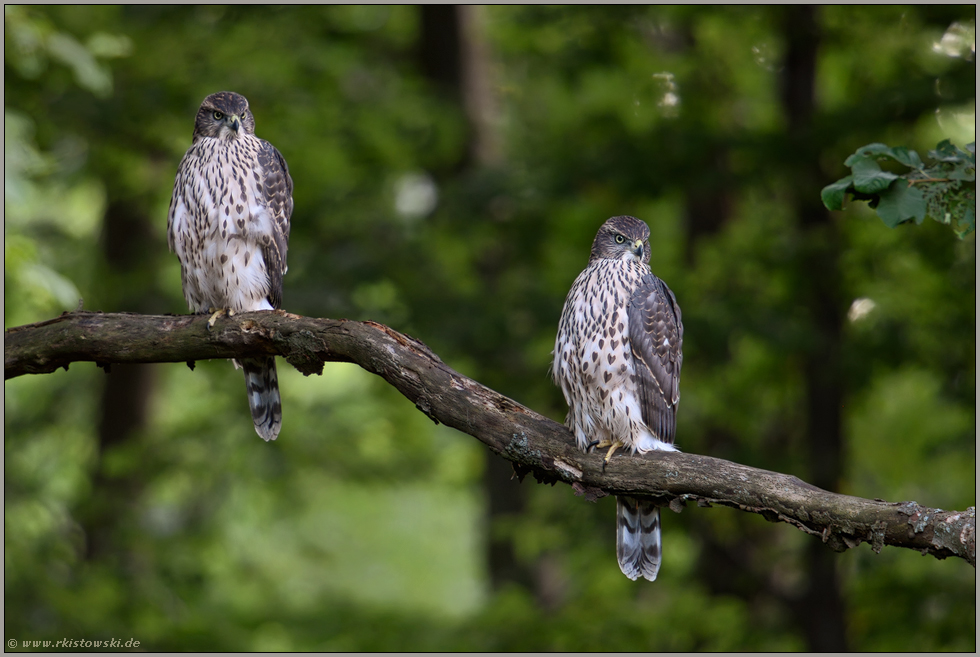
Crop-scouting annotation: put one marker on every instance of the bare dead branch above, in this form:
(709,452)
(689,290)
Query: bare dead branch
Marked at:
(532,442)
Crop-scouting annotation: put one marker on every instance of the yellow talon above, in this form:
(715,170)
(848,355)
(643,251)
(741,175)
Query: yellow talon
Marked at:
(616,445)
(613,445)
(227,312)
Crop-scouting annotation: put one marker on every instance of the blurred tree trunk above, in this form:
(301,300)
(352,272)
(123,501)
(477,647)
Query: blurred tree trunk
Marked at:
(506,500)
(707,197)
(454,56)
(725,564)
(727,568)
(820,609)
(127,239)
(707,206)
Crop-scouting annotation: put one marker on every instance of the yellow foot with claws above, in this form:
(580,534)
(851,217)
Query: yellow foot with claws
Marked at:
(613,445)
(227,312)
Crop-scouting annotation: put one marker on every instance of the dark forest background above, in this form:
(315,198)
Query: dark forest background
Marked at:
(451,167)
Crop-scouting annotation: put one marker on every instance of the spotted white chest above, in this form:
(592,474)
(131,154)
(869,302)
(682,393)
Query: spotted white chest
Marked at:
(218,223)
(593,361)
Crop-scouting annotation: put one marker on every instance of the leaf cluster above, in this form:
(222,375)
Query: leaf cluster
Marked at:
(944,191)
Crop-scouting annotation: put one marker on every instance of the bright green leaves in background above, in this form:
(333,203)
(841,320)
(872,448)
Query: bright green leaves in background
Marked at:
(45,189)
(33,44)
(944,191)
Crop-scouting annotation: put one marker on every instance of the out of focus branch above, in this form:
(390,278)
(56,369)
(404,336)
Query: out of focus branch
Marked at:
(532,442)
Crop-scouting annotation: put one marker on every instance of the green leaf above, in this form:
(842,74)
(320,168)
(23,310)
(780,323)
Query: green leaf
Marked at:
(907,157)
(833,194)
(967,225)
(946,152)
(869,178)
(963,172)
(867,153)
(875,151)
(901,203)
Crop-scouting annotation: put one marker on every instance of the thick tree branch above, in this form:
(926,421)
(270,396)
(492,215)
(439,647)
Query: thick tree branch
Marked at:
(531,441)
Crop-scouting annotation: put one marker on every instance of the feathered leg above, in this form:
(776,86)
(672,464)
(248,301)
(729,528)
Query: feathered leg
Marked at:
(262,384)
(637,538)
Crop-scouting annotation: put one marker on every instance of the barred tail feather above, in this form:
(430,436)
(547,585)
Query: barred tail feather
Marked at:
(262,385)
(638,538)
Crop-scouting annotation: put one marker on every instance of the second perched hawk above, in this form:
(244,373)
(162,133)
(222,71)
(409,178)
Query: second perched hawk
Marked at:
(618,360)
(229,224)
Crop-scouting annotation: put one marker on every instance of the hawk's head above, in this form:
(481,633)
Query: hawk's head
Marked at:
(622,238)
(224,115)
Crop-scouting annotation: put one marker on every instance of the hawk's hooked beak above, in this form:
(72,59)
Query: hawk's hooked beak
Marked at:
(638,248)
(234,122)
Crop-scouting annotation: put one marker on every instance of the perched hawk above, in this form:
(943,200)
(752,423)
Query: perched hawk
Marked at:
(228,224)
(618,360)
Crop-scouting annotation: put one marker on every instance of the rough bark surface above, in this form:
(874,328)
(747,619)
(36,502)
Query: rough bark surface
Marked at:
(532,442)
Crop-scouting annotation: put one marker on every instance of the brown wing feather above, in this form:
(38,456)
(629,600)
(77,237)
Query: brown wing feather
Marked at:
(656,340)
(278,189)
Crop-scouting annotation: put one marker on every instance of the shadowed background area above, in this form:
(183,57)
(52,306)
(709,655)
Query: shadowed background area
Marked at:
(451,167)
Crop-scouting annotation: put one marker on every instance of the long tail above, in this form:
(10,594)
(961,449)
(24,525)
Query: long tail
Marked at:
(262,384)
(637,538)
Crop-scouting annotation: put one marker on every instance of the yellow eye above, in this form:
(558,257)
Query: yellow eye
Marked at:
(219,116)
(620,239)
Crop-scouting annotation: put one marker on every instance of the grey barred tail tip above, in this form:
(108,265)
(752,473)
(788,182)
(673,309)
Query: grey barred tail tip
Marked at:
(262,384)
(637,538)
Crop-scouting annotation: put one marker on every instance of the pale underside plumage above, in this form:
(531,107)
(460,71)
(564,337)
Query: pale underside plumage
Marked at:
(617,360)
(229,225)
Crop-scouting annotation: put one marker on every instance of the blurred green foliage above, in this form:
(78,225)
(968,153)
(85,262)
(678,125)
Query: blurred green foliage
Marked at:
(365,527)
(945,191)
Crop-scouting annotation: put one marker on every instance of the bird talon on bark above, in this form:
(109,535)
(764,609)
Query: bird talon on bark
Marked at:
(215,314)
(615,445)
